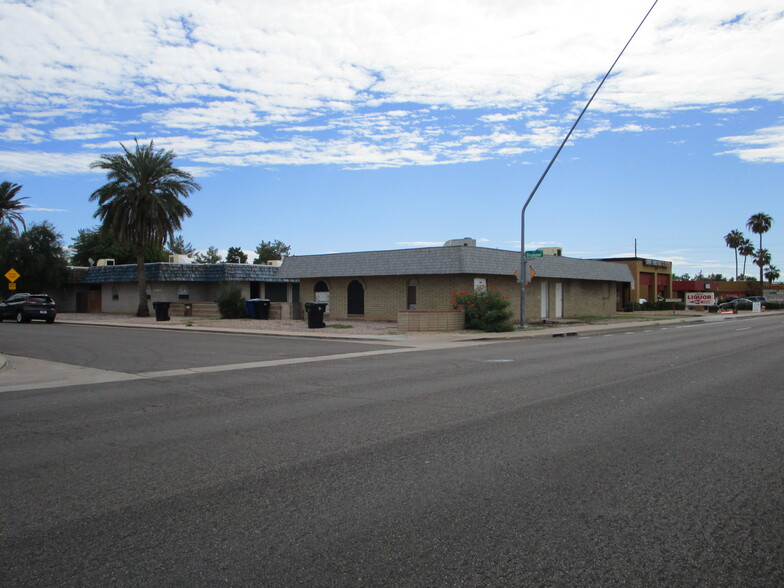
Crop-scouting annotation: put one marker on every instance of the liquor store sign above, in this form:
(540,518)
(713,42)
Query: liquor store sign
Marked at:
(700,298)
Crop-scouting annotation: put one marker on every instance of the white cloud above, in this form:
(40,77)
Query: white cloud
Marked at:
(81,132)
(765,145)
(36,162)
(372,84)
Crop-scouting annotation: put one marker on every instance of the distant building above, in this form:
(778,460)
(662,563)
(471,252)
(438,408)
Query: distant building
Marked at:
(652,278)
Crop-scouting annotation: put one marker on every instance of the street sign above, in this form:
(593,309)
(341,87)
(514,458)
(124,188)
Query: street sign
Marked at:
(12,275)
(536,253)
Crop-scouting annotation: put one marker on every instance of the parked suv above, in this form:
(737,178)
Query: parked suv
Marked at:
(26,307)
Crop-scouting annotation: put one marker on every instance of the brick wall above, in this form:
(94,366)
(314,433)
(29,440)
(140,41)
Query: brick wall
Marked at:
(430,320)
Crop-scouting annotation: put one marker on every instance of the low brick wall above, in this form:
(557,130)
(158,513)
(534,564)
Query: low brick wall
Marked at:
(430,320)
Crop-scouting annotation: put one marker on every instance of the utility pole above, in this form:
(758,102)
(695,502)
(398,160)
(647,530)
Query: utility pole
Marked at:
(523,262)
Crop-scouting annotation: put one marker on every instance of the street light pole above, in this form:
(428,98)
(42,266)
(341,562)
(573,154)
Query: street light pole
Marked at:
(523,262)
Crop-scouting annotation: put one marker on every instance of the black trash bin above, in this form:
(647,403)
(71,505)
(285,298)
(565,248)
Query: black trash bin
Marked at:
(161,310)
(257,308)
(262,309)
(315,311)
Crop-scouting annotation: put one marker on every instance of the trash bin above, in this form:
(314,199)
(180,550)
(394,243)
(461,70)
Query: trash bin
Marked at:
(257,308)
(713,308)
(315,311)
(161,310)
(250,308)
(262,309)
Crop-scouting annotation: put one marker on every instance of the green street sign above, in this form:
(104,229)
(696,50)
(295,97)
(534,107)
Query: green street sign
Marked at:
(537,253)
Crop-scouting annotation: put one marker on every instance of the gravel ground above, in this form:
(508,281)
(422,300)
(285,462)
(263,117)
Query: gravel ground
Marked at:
(344,327)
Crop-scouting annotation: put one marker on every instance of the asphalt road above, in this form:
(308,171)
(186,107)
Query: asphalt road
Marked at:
(647,458)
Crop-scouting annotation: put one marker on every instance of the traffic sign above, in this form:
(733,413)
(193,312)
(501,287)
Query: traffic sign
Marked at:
(536,253)
(11,286)
(12,275)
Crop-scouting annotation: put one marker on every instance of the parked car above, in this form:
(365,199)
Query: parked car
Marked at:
(756,298)
(25,307)
(730,304)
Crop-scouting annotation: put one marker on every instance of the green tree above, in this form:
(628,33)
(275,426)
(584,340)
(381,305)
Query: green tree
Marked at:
(209,256)
(759,224)
(94,244)
(141,203)
(37,254)
(271,250)
(762,259)
(178,246)
(236,255)
(11,206)
(772,274)
(734,239)
(746,248)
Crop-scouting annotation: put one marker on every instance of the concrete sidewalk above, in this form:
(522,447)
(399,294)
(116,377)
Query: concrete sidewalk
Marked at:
(386,333)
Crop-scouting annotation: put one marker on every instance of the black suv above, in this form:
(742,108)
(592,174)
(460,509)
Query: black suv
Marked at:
(26,307)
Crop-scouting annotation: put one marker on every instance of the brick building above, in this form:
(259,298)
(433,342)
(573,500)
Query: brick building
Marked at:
(375,285)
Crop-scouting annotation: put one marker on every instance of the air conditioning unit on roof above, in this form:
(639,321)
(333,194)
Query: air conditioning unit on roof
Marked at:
(102,262)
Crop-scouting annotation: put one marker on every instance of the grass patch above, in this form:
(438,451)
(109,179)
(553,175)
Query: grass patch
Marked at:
(340,326)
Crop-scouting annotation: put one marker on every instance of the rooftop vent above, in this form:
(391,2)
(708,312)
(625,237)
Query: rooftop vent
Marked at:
(464,242)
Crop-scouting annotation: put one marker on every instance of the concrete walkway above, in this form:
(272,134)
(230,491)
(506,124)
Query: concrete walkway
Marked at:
(387,333)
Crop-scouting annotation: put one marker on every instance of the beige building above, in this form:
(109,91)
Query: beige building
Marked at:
(375,285)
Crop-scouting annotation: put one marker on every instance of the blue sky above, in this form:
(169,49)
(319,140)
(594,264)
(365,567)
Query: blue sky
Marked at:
(350,125)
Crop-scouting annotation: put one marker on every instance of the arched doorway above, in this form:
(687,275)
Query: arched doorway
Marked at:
(356,298)
(321,294)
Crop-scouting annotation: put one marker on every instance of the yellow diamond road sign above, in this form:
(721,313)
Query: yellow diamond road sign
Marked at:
(12,275)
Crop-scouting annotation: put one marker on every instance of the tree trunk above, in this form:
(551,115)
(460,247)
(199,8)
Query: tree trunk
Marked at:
(141,278)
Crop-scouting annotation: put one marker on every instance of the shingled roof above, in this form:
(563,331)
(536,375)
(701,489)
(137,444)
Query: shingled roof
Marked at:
(477,261)
(181,272)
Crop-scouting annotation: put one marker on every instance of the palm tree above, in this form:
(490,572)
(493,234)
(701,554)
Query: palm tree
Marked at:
(734,239)
(762,259)
(772,274)
(758,224)
(11,205)
(745,249)
(141,203)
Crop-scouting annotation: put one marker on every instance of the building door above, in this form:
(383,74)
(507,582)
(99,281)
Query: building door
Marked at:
(411,295)
(255,290)
(321,294)
(545,300)
(558,299)
(356,298)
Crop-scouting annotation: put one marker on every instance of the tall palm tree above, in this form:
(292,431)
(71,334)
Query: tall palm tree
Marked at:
(746,248)
(141,203)
(758,224)
(772,274)
(11,205)
(734,239)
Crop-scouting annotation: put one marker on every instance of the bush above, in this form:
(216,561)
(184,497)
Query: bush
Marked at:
(231,303)
(485,310)
(653,305)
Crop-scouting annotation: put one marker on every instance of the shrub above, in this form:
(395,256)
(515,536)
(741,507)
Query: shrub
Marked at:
(485,310)
(231,303)
(653,305)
